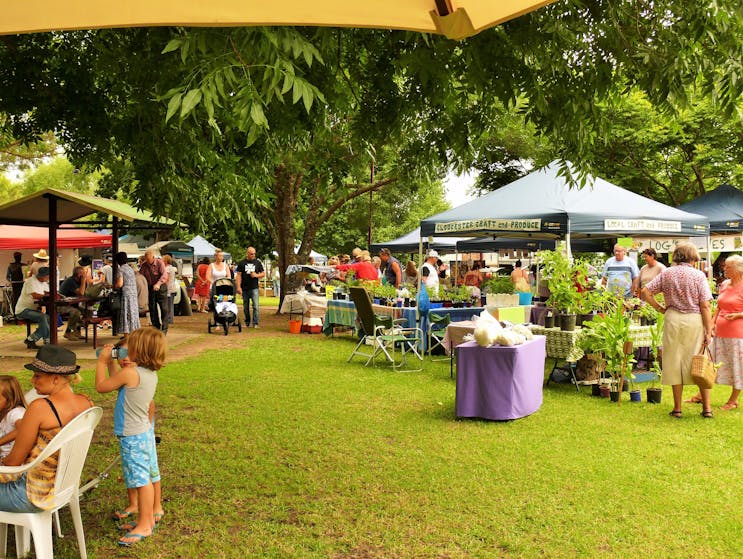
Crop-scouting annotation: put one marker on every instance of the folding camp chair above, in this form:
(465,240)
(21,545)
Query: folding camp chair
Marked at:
(437,324)
(383,336)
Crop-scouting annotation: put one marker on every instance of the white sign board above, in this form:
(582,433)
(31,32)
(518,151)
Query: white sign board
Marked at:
(489,225)
(663,245)
(641,225)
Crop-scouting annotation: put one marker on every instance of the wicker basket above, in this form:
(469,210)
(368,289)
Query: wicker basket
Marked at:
(590,367)
(703,370)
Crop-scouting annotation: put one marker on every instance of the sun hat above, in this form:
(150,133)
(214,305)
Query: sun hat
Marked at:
(42,272)
(432,254)
(54,360)
(41,255)
(85,260)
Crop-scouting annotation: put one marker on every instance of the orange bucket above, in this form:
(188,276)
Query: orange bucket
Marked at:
(295,326)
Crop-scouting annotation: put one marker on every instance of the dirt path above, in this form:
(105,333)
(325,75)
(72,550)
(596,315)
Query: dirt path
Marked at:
(189,334)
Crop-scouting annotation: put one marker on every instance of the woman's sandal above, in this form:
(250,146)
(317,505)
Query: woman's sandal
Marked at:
(696,399)
(729,406)
(676,413)
(707,414)
(129,526)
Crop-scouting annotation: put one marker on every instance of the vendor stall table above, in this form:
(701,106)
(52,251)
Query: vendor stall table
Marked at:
(500,382)
(343,313)
(305,305)
(562,345)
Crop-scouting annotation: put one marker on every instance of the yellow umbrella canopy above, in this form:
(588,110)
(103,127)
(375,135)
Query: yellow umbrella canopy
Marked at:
(455,19)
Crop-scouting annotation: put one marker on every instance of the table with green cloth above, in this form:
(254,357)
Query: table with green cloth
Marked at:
(343,313)
(562,344)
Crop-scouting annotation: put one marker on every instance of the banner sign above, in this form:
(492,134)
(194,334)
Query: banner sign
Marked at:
(718,243)
(489,225)
(641,225)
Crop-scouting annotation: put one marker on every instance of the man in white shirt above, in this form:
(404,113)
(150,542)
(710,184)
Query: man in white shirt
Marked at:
(429,270)
(34,288)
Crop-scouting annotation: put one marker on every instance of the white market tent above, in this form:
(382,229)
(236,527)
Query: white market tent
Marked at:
(203,248)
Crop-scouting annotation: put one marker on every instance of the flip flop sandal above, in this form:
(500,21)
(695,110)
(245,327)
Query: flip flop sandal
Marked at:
(676,413)
(122,514)
(158,516)
(707,414)
(127,526)
(694,400)
(729,406)
(137,538)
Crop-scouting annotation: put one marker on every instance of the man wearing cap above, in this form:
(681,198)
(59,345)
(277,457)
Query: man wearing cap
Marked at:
(34,288)
(430,271)
(391,268)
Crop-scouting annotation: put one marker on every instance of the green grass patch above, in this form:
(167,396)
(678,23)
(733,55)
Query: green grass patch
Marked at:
(283,449)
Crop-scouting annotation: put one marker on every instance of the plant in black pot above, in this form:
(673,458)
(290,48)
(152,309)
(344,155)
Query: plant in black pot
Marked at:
(655,392)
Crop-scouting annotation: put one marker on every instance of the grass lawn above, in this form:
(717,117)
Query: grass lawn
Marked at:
(284,450)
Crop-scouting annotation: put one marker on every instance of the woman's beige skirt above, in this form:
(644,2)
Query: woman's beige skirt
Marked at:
(683,336)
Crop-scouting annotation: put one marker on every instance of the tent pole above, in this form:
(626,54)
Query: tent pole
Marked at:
(419,279)
(709,256)
(53,269)
(114,247)
(567,243)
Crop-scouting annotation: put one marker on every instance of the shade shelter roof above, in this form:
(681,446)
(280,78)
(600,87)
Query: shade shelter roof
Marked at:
(455,19)
(542,204)
(52,207)
(20,237)
(723,206)
(70,206)
(410,243)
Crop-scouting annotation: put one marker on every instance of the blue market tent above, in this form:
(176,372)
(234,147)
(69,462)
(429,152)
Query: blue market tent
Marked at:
(410,242)
(542,205)
(723,207)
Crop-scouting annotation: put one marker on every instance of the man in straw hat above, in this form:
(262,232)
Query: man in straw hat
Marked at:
(41,258)
(34,288)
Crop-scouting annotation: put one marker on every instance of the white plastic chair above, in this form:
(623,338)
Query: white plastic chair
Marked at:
(73,442)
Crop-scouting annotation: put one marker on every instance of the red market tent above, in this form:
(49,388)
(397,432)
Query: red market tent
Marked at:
(20,237)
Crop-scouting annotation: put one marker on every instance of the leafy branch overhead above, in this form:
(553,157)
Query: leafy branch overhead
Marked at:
(254,70)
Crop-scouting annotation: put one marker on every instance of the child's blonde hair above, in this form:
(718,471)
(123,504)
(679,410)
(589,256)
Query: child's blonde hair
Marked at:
(147,348)
(11,390)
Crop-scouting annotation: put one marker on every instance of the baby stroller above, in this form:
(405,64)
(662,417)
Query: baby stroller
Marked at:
(223,305)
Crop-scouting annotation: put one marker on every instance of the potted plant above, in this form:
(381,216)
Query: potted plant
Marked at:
(499,292)
(609,335)
(561,281)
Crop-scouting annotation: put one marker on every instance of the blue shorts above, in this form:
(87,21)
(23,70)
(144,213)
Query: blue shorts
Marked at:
(139,459)
(13,497)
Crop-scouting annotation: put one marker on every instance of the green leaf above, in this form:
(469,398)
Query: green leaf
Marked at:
(192,98)
(173,44)
(173,104)
(257,115)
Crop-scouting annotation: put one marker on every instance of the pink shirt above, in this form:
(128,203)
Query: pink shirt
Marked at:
(730,300)
(684,288)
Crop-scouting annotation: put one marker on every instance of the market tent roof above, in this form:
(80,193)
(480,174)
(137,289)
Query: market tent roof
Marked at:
(70,207)
(20,237)
(202,248)
(410,243)
(543,205)
(485,244)
(463,19)
(723,207)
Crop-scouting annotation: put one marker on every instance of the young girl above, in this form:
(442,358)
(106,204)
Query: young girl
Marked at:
(12,408)
(135,378)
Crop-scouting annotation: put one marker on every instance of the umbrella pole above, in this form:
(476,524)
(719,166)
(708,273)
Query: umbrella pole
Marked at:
(53,269)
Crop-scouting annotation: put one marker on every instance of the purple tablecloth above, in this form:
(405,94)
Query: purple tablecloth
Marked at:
(500,382)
